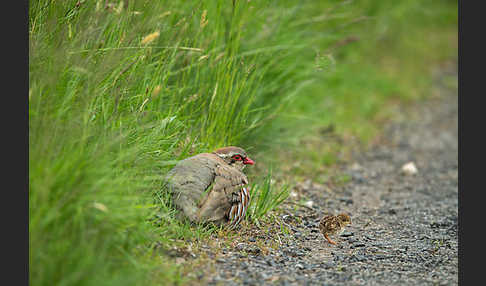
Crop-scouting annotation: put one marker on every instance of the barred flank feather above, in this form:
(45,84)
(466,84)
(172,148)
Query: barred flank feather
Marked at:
(238,211)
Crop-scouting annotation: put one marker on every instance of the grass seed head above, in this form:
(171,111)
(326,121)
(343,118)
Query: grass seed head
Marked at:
(156,90)
(204,21)
(150,38)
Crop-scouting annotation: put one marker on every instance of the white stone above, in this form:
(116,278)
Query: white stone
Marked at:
(409,169)
(356,166)
(309,204)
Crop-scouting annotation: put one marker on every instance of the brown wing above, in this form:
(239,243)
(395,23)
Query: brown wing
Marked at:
(221,194)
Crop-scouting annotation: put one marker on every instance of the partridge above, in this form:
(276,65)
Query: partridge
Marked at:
(211,187)
(333,224)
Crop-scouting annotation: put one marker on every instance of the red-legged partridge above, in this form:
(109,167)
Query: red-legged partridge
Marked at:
(333,224)
(211,187)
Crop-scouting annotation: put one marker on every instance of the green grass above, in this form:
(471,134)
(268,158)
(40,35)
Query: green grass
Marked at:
(109,115)
(265,196)
(377,54)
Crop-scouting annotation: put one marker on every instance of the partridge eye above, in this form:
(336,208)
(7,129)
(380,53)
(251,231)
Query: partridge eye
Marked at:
(237,157)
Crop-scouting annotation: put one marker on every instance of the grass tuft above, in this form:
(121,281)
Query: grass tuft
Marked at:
(265,196)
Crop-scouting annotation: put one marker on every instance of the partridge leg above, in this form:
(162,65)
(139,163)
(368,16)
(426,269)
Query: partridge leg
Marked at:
(328,239)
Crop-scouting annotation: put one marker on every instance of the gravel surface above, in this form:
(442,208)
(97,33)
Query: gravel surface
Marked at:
(404,225)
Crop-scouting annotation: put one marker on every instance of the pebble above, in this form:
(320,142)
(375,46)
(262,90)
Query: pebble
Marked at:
(409,169)
(356,166)
(328,265)
(352,240)
(271,263)
(359,258)
(309,204)
(347,201)
(347,234)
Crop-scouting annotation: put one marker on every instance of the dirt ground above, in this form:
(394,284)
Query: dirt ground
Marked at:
(404,226)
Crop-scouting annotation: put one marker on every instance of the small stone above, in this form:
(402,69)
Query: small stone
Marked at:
(347,234)
(355,166)
(264,276)
(271,263)
(358,178)
(409,169)
(360,258)
(347,201)
(328,265)
(273,278)
(352,240)
(300,266)
(290,252)
(220,260)
(309,204)
(217,278)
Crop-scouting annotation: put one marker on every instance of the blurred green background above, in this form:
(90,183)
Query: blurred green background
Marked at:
(121,90)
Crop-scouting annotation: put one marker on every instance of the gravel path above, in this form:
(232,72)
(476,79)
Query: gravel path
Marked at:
(404,227)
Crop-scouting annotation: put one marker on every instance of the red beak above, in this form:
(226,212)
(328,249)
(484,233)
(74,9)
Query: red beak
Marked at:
(247,161)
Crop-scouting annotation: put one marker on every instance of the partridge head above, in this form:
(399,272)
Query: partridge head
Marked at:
(333,224)
(211,187)
(234,156)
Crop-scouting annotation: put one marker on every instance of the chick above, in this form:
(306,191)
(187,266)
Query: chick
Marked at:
(332,224)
